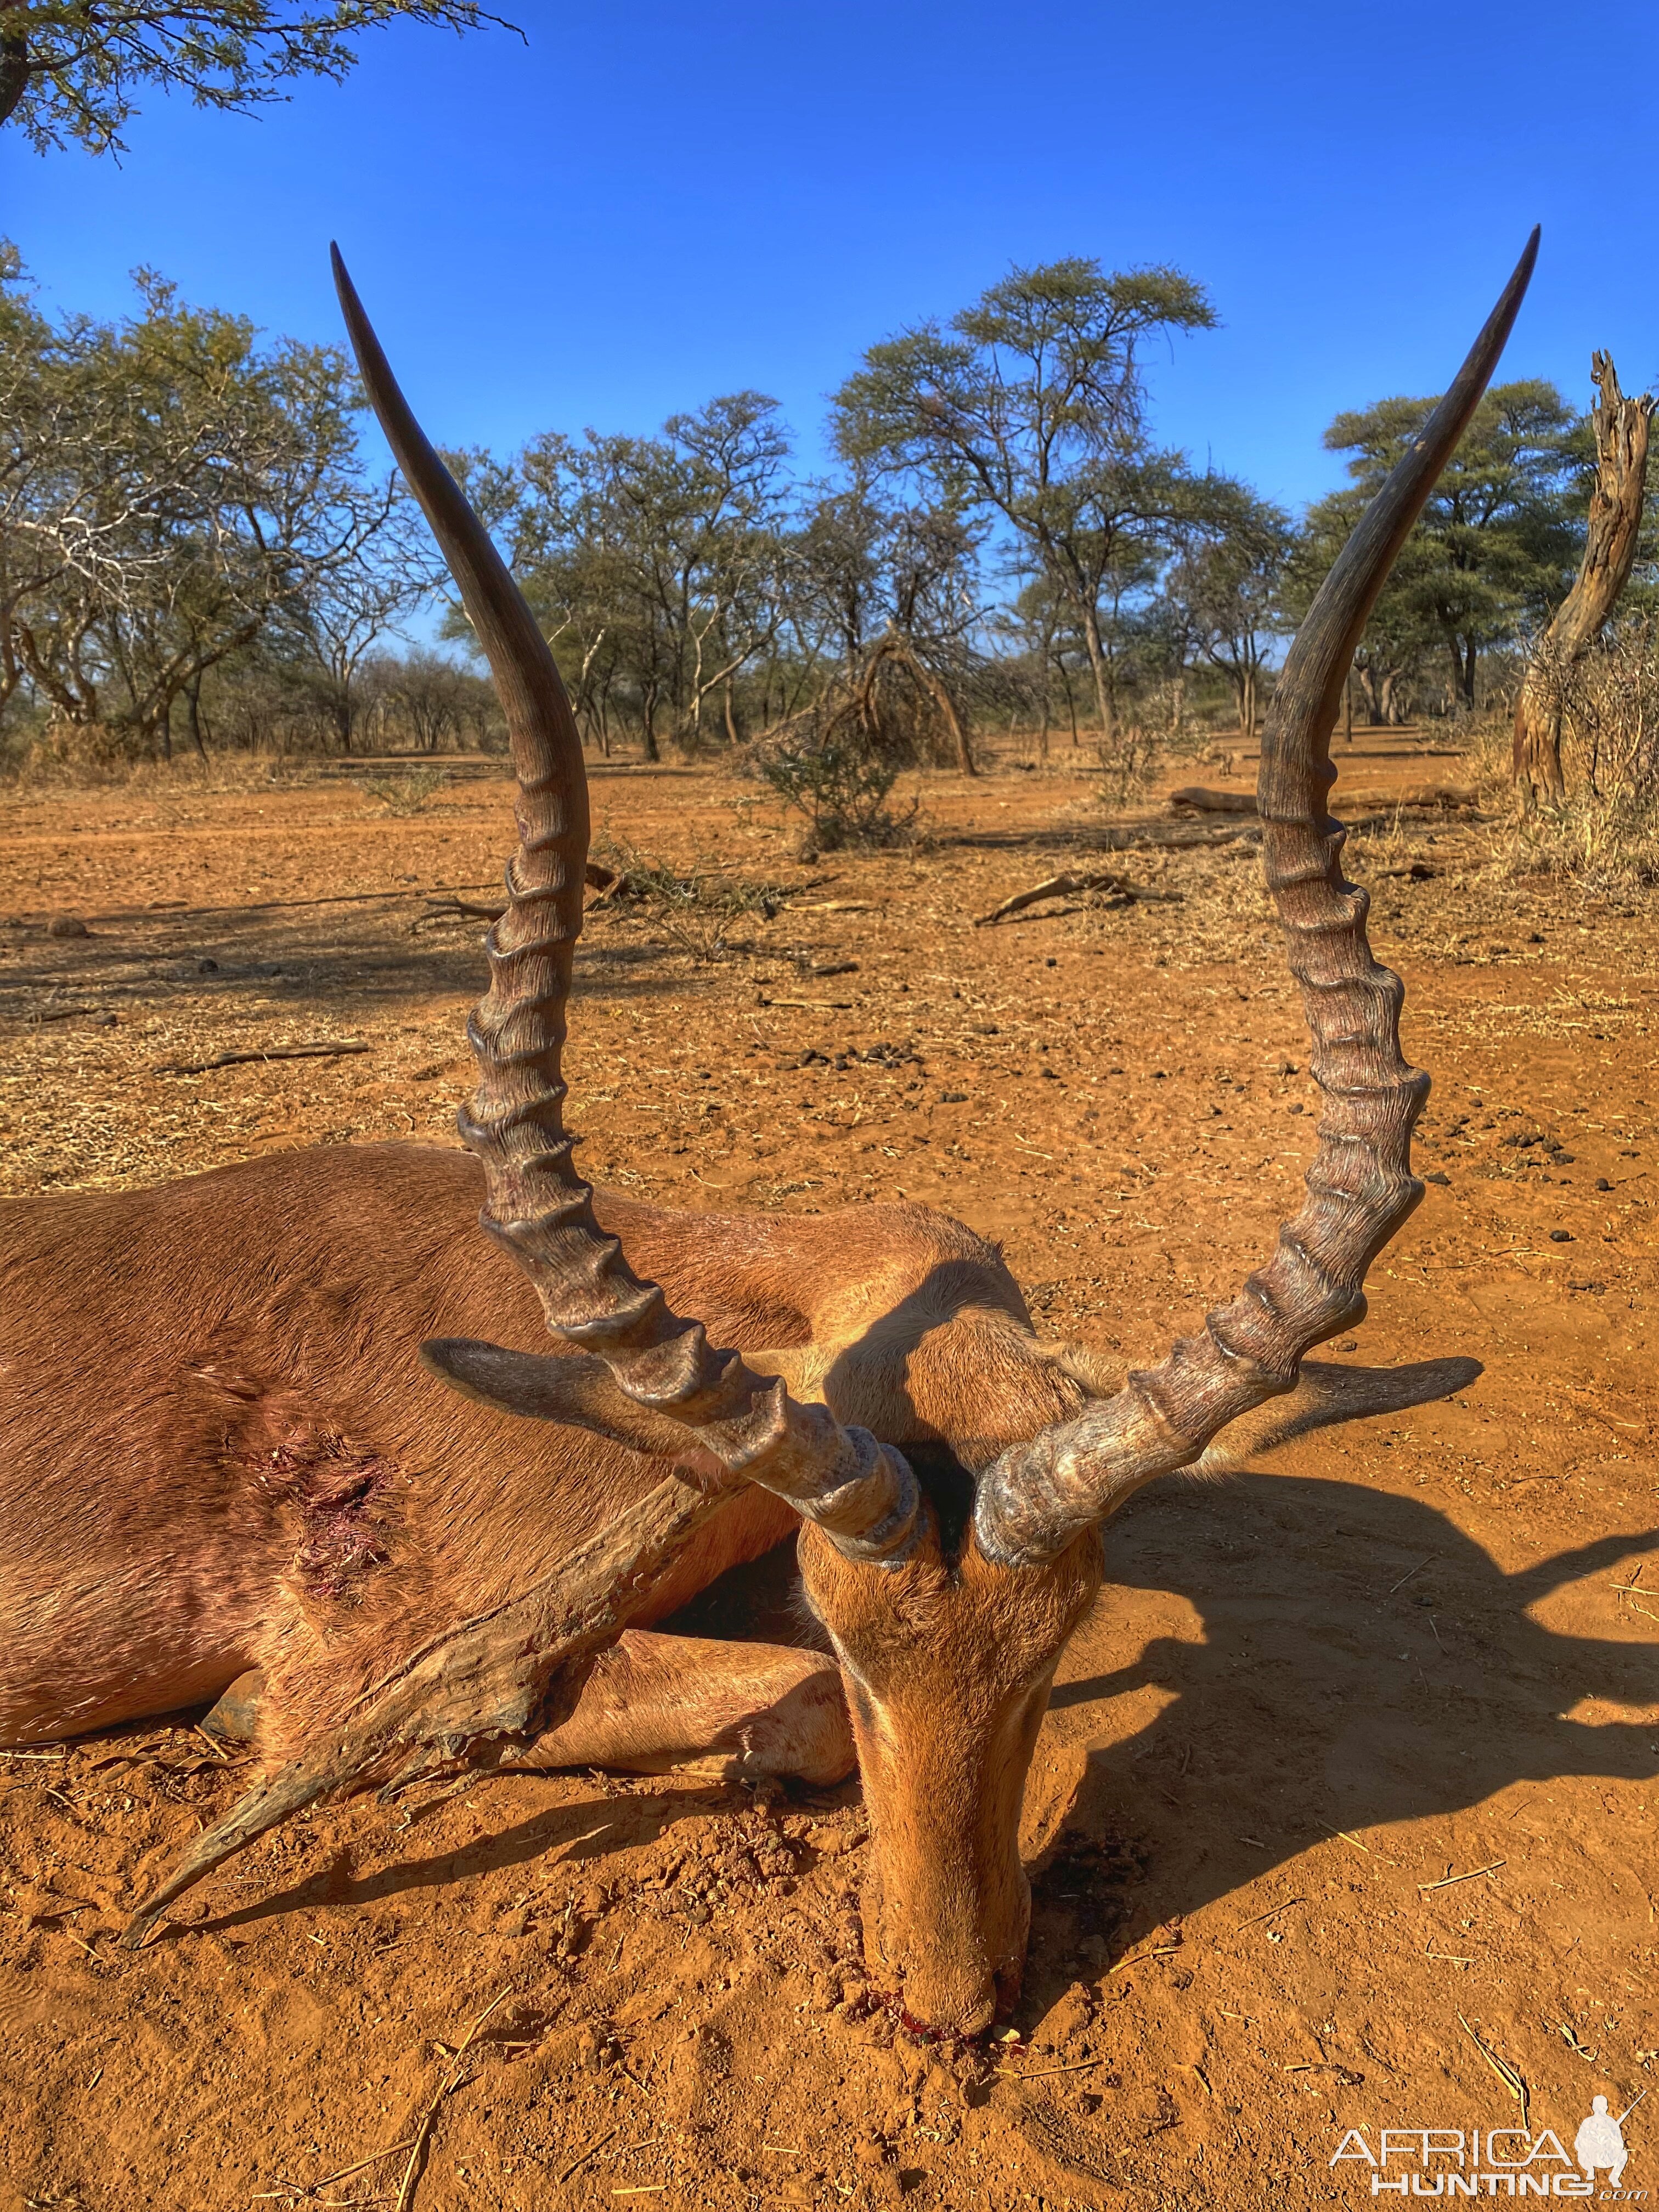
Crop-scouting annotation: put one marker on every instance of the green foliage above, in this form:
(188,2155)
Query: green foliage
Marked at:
(70,69)
(658,567)
(407,793)
(826,768)
(1030,408)
(1221,597)
(175,493)
(1497,543)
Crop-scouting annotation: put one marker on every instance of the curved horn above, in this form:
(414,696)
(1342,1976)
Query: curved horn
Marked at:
(1038,1496)
(862,1492)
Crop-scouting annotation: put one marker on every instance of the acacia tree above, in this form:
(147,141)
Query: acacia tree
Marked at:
(174,491)
(886,593)
(657,564)
(1499,537)
(382,567)
(70,69)
(1030,406)
(1223,593)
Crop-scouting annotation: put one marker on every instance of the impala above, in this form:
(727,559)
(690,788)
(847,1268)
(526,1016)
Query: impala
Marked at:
(278,1417)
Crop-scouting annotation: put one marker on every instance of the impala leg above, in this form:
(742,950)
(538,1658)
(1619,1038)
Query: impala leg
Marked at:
(653,1702)
(738,1710)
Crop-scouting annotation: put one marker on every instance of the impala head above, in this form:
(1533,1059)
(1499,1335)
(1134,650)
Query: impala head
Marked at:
(949,1600)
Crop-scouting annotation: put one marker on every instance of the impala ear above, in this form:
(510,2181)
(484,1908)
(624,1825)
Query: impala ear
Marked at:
(1100,1376)
(572,1388)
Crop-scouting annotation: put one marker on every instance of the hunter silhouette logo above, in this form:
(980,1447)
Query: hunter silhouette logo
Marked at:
(1601,2140)
(1494,2162)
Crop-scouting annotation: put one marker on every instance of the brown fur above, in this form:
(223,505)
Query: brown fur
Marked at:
(218,1451)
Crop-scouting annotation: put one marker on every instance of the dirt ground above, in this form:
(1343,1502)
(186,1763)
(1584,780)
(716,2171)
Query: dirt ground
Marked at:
(1342,1817)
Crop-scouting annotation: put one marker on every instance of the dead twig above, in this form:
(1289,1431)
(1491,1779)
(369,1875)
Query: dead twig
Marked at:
(1446,1880)
(270,1051)
(1158,1951)
(598,2144)
(417,2147)
(304,2188)
(1256,1916)
(1069,886)
(1506,2073)
(1039,2073)
(166,910)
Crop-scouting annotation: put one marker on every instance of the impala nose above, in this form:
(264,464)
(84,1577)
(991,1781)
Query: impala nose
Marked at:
(940,1999)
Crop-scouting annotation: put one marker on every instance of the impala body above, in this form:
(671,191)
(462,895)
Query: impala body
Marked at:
(274,1418)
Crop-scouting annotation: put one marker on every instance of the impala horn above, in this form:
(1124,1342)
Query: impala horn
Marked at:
(861,1492)
(1038,1496)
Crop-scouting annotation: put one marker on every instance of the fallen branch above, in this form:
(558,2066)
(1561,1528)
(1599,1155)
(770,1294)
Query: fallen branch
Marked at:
(489,1685)
(609,882)
(270,1051)
(168,910)
(1435,798)
(1067,886)
(1203,800)
(412,2171)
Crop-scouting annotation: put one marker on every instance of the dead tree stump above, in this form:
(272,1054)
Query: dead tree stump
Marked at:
(1615,520)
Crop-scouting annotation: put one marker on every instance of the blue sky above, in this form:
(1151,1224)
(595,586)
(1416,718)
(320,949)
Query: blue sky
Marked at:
(648,204)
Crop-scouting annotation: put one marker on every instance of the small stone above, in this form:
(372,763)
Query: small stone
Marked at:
(67,925)
(869,2150)
(1346,1344)
(1435,1176)
(1602,1183)
(1561,1236)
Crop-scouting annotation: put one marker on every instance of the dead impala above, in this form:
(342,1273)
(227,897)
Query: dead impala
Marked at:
(230,1440)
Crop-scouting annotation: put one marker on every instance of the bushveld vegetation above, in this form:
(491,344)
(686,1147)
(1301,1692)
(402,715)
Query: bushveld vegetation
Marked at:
(196,560)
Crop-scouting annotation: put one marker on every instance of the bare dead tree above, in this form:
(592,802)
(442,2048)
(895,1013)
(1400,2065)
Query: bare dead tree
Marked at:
(1616,522)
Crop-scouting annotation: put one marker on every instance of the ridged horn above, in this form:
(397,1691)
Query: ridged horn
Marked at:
(1034,1499)
(860,1492)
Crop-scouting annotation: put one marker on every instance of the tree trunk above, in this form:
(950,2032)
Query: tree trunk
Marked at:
(1465,660)
(194,707)
(1615,522)
(13,72)
(731,737)
(1098,670)
(938,692)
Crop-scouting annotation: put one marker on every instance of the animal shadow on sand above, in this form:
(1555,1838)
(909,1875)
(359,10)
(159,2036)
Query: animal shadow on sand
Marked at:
(1359,1660)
